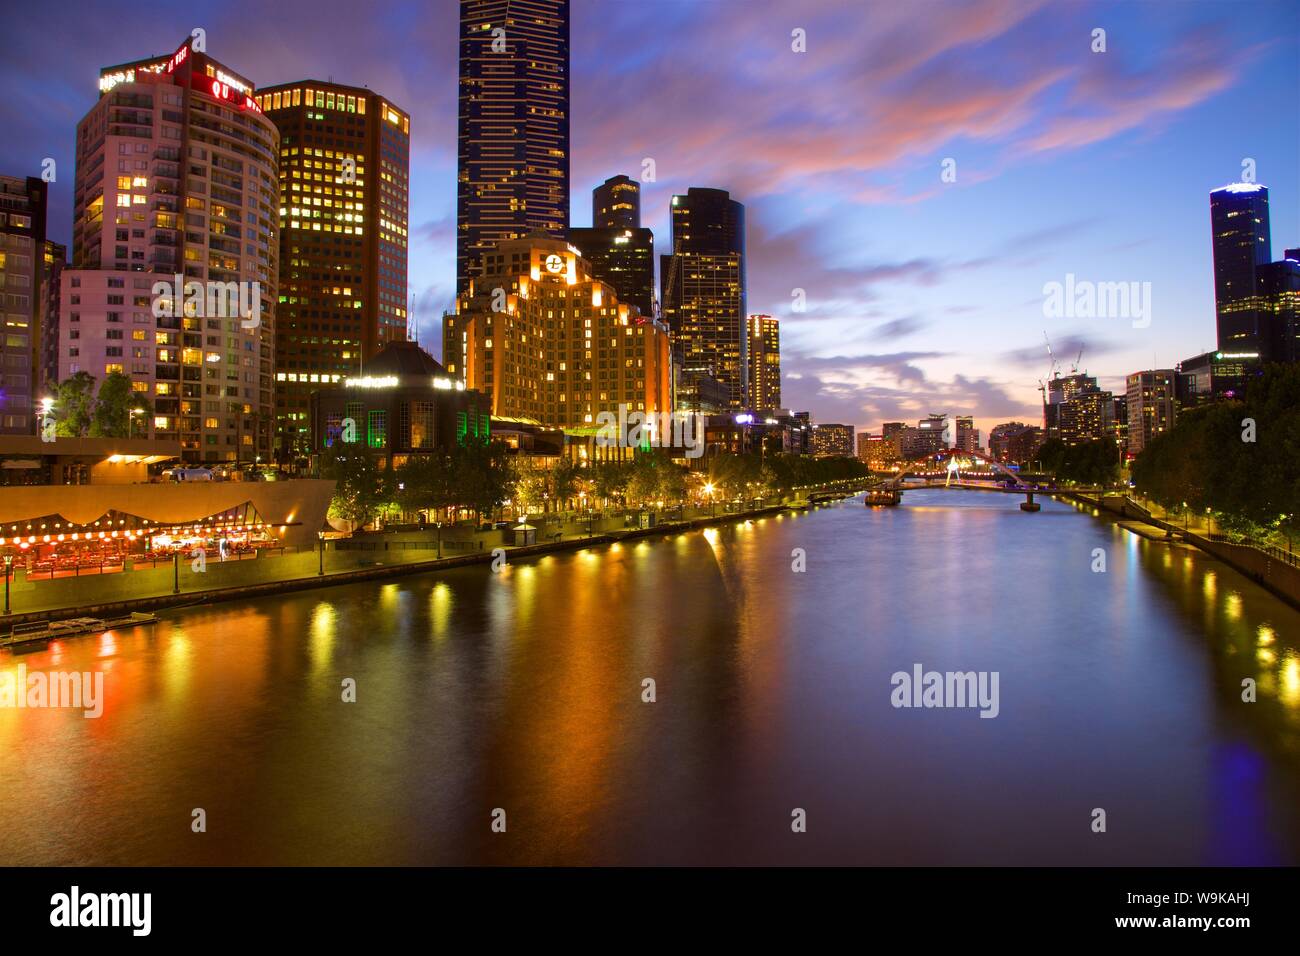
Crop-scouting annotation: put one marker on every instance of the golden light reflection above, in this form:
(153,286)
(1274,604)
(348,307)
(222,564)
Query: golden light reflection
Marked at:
(1211,584)
(323,631)
(440,603)
(1232,605)
(1289,676)
(1266,635)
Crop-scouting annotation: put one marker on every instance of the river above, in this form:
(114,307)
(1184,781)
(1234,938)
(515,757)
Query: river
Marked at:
(523,691)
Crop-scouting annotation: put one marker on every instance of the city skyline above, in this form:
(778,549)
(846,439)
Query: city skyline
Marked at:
(921,295)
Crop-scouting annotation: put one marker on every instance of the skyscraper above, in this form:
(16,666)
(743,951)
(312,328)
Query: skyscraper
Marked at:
(618,250)
(1279,292)
(764,357)
(344,180)
(703,281)
(1240,238)
(616,204)
(513,125)
(22,298)
(177,176)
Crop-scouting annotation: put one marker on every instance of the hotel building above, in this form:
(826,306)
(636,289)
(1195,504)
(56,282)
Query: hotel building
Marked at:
(550,342)
(344,201)
(177,176)
(512,126)
(1151,406)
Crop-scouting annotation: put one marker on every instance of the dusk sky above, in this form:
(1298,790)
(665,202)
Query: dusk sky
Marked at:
(921,295)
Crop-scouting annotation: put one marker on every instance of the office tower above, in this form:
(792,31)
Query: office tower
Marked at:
(968,436)
(699,391)
(1151,406)
(1240,237)
(1279,294)
(764,358)
(344,200)
(513,125)
(549,341)
(616,204)
(23,294)
(832,441)
(47,373)
(177,176)
(703,281)
(618,250)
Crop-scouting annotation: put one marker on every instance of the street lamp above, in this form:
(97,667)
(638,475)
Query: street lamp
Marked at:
(321,536)
(9,561)
(130,422)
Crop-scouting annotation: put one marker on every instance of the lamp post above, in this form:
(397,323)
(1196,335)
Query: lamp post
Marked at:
(321,536)
(9,562)
(130,421)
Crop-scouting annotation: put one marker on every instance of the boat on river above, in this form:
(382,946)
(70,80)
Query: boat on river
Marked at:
(42,632)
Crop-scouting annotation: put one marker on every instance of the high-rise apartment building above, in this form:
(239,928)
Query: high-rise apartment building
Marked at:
(703,282)
(1240,243)
(47,372)
(344,207)
(23,300)
(764,358)
(618,250)
(968,436)
(513,125)
(547,340)
(1151,406)
(177,177)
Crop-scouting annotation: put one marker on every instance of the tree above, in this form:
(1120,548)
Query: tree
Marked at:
(360,485)
(424,482)
(74,405)
(113,406)
(482,478)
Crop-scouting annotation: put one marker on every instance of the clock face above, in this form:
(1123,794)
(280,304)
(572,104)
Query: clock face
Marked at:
(554,263)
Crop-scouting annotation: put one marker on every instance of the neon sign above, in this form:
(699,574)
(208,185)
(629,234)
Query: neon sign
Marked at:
(226,93)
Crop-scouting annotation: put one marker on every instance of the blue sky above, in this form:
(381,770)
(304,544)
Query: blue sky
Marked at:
(921,295)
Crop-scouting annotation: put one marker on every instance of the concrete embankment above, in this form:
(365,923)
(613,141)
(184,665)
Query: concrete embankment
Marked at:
(151,589)
(1273,573)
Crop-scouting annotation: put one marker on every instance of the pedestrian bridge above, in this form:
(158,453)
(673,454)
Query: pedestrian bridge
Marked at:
(952,468)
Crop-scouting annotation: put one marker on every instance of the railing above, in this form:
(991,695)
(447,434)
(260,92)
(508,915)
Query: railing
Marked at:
(1271,550)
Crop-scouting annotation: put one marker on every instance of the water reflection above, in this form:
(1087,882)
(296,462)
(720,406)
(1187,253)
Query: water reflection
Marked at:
(527,690)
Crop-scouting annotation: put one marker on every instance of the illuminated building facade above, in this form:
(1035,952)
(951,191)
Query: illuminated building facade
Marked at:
(968,436)
(177,175)
(1240,243)
(829,441)
(1152,406)
(513,125)
(1279,292)
(47,374)
(764,358)
(703,283)
(23,300)
(344,188)
(1086,416)
(548,341)
(405,404)
(880,453)
(1015,443)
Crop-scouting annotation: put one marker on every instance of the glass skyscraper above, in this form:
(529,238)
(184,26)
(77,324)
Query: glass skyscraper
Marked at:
(1239,220)
(703,282)
(513,126)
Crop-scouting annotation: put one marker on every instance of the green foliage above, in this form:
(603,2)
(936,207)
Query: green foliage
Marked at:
(74,405)
(1090,463)
(1205,462)
(361,481)
(113,405)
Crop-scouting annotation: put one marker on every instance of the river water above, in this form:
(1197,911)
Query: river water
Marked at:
(522,691)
